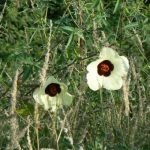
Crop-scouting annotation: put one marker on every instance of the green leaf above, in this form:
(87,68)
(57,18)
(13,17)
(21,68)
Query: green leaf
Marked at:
(79,33)
(27,110)
(131,25)
(116,6)
(71,29)
(69,41)
(27,72)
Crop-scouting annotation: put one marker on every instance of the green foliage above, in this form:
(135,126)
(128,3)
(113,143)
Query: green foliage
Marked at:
(96,120)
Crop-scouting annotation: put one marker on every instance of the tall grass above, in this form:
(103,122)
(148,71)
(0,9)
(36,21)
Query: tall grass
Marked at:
(59,38)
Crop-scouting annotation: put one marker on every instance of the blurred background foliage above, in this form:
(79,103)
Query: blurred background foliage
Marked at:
(80,28)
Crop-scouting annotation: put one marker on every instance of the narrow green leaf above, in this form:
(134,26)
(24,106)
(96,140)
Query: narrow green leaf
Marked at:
(116,6)
(68,28)
(131,25)
(69,41)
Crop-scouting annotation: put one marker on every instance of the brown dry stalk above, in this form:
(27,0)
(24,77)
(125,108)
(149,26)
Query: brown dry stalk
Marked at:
(126,96)
(28,135)
(45,65)
(69,134)
(64,123)
(14,121)
(139,40)
(36,119)
(137,77)
(42,80)
(133,131)
(95,31)
(81,41)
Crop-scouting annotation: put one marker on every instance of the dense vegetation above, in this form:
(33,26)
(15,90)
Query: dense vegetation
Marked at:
(75,32)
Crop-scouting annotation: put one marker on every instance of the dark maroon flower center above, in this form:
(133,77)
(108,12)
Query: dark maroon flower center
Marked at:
(104,68)
(53,89)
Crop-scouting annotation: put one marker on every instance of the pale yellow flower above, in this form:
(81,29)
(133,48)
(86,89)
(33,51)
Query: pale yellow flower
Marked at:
(52,95)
